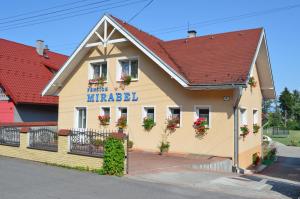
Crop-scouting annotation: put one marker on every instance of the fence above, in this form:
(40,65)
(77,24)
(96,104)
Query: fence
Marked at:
(88,142)
(43,139)
(10,136)
(279,132)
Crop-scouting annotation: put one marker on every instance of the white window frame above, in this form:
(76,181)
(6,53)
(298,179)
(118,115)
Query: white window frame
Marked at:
(243,121)
(91,68)
(144,113)
(255,116)
(119,67)
(196,116)
(118,113)
(169,114)
(102,112)
(76,116)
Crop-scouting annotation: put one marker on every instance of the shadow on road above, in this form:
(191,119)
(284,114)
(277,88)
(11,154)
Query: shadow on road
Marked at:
(285,188)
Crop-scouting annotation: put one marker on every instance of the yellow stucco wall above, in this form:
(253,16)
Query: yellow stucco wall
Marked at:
(251,99)
(154,88)
(61,157)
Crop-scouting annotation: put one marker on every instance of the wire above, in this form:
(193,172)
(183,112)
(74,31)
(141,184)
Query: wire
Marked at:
(71,16)
(226,19)
(139,12)
(37,11)
(53,12)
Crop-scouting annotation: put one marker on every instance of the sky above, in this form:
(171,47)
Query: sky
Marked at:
(63,33)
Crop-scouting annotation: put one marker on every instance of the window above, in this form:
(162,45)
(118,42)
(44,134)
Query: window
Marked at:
(175,113)
(129,67)
(105,111)
(243,116)
(203,112)
(255,116)
(98,70)
(81,117)
(121,112)
(149,113)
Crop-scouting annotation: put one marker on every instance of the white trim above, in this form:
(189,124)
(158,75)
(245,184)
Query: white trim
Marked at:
(209,113)
(143,111)
(71,58)
(101,112)
(168,114)
(75,119)
(100,43)
(245,114)
(118,68)
(181,80)
(250,74)
(257,115)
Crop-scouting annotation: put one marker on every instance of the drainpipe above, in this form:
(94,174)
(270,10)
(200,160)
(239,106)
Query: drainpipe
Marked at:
(236,130)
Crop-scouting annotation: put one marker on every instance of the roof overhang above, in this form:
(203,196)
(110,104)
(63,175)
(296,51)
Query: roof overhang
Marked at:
(263,65)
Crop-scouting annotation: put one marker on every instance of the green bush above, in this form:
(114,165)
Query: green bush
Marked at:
(114,156)
(164,147)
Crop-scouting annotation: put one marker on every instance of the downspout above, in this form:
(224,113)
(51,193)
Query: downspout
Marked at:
(236,130)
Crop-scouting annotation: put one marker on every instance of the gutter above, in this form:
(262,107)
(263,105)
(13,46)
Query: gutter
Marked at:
(236,131)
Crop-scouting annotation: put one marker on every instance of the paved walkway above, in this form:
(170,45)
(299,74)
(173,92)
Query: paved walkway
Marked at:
(21,179)
(145,162)
(279,181)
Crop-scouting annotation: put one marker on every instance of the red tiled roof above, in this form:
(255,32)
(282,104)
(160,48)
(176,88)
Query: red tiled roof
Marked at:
(24,73)
(205,60)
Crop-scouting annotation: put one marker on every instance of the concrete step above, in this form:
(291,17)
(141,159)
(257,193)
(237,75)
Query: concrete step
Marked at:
(220,166)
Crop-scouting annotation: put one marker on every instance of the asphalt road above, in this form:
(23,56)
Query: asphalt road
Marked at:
(21,179)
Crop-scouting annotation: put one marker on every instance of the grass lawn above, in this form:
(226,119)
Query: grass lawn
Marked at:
(293,137)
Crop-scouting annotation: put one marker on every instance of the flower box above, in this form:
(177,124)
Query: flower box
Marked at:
(200,126)
(104,119)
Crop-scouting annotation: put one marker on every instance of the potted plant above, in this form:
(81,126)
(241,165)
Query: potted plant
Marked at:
(200,126)
(164,147)
(104,119)
(256,128)
(148,123)
(255,159)
(172,123)
(252,82)
(126,79)
(122,123)
(130,145)
(245,131)
(100,81)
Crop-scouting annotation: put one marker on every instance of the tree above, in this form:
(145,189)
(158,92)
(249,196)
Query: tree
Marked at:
(286,103)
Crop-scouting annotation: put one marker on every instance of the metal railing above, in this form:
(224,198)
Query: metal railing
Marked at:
(88,142)
(43,139)
(10,136)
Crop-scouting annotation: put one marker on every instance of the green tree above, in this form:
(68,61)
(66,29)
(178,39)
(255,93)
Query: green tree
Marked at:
(286,103)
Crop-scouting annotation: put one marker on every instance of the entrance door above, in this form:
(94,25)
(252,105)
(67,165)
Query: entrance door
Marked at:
(6,111)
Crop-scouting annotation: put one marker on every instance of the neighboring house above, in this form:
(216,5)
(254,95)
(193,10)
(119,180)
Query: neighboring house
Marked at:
(190,78)
(24,72)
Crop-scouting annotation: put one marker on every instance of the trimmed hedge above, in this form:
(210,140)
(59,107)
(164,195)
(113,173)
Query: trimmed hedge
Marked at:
(114,157)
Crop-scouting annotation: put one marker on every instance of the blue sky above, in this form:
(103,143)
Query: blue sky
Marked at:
(282,28)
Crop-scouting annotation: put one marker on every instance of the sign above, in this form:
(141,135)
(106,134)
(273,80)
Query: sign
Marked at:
(101,94)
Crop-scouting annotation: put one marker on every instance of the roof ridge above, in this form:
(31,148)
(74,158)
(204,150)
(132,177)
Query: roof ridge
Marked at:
(216,34)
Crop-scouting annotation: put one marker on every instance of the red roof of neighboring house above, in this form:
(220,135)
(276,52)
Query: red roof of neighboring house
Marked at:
(223,58)
(24,73)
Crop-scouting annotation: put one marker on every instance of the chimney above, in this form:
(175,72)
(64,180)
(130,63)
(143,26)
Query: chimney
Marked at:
(40,47)
(192,33)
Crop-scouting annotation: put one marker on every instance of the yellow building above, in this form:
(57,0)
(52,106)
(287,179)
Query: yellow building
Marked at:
(119,71)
